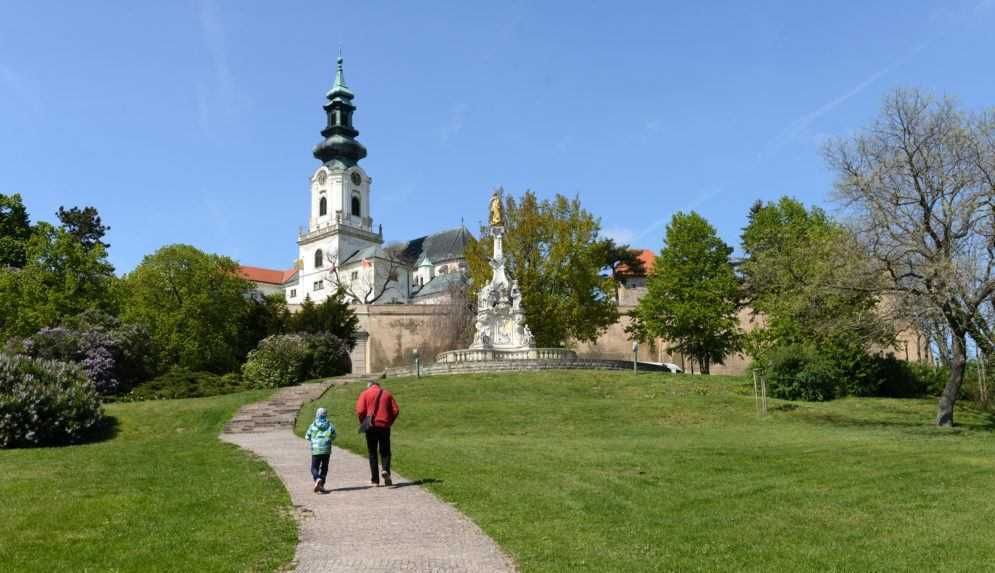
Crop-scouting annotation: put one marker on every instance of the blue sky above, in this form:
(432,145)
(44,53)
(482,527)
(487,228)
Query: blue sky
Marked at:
(193,121)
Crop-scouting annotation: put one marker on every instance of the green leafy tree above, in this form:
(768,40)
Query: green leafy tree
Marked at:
(61,278)
(810,279)
(332,316)
(15,230)
(193,304)
(817,290)
(692,295)
(555,254)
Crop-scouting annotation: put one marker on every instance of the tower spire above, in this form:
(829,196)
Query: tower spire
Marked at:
(339,76)
(339,146)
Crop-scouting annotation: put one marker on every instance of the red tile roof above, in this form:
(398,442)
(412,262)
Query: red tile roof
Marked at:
(268,276)
(647,256)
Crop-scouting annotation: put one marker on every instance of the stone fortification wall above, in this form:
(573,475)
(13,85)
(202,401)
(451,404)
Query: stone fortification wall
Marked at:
(615,344)
(395,331)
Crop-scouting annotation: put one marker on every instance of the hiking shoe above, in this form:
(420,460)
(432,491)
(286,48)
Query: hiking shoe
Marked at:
(321,486)
(386,478)
(317,485)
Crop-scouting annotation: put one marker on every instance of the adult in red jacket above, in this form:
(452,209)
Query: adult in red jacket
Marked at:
(379,403)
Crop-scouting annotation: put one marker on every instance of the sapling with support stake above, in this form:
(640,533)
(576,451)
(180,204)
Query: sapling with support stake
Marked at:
(760,391)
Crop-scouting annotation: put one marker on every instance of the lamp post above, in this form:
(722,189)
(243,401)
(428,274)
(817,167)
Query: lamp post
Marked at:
(635,356)
(417,364)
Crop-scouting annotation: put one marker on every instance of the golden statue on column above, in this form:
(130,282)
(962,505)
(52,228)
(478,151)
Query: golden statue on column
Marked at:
(497,210)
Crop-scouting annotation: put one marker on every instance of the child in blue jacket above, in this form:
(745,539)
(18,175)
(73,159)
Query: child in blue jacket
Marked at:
(320,435)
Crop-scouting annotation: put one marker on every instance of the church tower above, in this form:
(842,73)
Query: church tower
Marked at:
(340,222)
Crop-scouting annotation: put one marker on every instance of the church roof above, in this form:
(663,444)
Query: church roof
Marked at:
(368,253)
(440,284)
(268,276)
(437,247)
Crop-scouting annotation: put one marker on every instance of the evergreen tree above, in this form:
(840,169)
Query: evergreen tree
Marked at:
(333,316)
(692,294)
(85,225)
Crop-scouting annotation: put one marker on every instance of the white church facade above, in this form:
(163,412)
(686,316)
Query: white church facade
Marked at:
(340,248)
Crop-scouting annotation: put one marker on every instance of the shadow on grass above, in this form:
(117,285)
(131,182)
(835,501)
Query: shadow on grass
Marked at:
(107,429)
(416,482)
(976,421)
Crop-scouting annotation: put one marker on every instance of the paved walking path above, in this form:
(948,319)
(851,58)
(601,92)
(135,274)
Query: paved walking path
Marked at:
(357,527)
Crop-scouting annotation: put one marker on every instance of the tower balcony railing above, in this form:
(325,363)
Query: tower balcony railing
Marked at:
(320,226)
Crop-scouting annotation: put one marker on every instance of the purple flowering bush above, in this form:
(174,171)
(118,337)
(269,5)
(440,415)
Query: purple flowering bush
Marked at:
(44,402)
(114,356)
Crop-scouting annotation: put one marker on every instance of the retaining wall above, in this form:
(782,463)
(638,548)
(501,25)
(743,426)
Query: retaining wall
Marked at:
(441,368)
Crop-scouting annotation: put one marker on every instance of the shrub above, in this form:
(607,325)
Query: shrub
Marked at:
(286,359)
(795,372)
(801,372)
(113,356)
(180,382)
(43,402)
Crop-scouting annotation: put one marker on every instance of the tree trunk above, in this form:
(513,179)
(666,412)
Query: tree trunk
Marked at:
(958,360)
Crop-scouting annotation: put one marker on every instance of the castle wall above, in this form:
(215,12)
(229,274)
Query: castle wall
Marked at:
(396,330)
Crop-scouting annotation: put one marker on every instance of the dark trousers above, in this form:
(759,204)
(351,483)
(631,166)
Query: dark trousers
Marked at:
(378,439)
(319,466)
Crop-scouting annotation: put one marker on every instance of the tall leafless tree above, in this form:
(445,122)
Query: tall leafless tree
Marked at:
(920,188)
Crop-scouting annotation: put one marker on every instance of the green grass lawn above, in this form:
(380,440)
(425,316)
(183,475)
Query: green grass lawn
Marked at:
(162,495)
(595,471)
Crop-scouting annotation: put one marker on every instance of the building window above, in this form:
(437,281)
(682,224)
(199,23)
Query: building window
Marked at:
(293,293)
(354,276)
(355,206)
(318,285)
(319,259)
(322,207)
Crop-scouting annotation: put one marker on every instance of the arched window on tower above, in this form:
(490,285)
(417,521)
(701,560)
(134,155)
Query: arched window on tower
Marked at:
(319,259)
(356,211)
(322,207)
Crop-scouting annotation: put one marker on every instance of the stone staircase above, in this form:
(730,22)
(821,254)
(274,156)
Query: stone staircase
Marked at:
(280,411)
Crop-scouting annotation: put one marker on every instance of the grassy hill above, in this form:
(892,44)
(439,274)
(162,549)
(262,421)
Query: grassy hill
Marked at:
(162,494)
(594,471)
